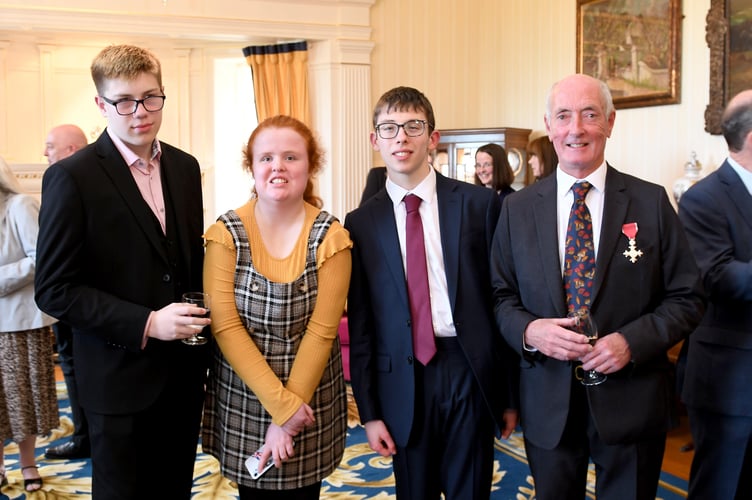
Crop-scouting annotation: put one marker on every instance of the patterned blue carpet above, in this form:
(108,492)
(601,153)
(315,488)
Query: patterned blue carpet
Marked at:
(361,475)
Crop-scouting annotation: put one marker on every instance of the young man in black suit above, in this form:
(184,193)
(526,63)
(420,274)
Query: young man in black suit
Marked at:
(645,297)
(434,415)
(119,242)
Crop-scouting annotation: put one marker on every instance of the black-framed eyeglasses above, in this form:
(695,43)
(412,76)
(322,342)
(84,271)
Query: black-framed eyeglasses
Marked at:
(412,128)
(127,107)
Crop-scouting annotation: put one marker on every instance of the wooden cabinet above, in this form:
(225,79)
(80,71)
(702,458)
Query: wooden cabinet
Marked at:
(455,154)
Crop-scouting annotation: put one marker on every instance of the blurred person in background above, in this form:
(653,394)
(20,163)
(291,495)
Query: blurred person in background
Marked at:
(28,400)
(493,171)
(542,157)
(716,390)
(62,141)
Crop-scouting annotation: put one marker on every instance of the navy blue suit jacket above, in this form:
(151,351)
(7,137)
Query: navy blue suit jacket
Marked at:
(654,302)
(716,213)
(103,266)
(381,351)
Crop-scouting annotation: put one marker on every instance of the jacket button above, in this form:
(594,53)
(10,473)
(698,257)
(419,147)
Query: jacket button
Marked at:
(409,360)
(166,278)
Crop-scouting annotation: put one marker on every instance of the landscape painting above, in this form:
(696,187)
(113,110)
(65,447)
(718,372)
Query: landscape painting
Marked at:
(633,46)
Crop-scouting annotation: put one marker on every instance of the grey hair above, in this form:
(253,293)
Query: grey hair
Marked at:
(606,98)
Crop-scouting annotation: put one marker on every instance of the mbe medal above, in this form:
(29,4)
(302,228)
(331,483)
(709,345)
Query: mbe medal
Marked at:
(630,231)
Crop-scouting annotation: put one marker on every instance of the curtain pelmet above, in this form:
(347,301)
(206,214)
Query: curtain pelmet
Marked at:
(280,79)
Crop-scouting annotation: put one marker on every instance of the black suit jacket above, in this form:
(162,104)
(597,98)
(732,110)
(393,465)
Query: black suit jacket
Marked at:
(654,302)
(717,215)
(381,351)
(103,265)
(375,182)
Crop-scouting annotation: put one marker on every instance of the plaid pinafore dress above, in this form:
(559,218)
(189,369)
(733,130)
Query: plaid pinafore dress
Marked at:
(276,316)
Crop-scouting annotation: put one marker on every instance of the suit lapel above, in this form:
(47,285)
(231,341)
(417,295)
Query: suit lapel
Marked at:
(737,191)
(385,228)
(545,213)
(122,180)
(615,205)
(450,225)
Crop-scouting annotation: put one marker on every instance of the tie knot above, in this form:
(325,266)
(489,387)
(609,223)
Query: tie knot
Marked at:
(580,190)
(412,202)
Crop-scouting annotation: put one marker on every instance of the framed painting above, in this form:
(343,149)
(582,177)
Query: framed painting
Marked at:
(728,28)
(634,46)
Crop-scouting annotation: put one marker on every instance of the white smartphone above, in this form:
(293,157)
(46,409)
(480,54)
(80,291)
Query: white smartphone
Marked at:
(252,464)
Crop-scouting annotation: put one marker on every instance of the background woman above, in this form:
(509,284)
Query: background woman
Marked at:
(492,169)
(542,157)
(278,270)
(28,401)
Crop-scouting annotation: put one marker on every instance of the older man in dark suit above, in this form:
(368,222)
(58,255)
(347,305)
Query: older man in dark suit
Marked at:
(717,216)
(119,242)
(644,294)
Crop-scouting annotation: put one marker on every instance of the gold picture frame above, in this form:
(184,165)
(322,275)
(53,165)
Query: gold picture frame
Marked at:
(728,22)
(634,46)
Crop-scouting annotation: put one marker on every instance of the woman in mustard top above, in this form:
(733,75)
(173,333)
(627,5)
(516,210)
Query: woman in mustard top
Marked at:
(278,270)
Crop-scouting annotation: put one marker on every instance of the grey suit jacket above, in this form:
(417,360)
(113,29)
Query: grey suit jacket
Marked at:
(717,216)
(654,303)
(18,241)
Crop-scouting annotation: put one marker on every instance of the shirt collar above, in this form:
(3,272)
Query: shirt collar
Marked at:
(425,190)
(129,156)
(743,173)
(596,178)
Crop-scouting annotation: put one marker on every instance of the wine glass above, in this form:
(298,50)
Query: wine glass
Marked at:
(585,324)
(199,299)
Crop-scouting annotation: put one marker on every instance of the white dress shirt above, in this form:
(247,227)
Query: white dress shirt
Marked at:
(593,200)
(441,309)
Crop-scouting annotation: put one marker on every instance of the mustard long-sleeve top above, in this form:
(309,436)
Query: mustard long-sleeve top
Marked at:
(334,267)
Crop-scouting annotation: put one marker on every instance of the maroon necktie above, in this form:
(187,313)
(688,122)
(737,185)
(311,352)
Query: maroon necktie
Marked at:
(579,252)
(424,345)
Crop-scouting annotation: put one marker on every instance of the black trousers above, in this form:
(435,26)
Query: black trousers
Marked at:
(64,340)
(722,465)
(306,493)
(623,471)
(450,449)
(156,447)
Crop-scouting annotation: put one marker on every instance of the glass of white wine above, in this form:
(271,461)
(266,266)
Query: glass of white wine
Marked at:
(585,325)
(202,300)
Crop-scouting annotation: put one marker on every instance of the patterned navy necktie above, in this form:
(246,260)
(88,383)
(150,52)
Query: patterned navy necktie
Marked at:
(579,252)
(424,345)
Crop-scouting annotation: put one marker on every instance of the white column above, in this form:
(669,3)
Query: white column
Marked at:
(340,81)
(46,85)
(183,63)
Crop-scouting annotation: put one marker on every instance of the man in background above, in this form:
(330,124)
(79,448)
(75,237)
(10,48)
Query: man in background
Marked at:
(62,141)
(716,216)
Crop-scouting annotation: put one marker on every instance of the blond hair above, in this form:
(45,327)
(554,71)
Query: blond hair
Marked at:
(8,182)
(126,62)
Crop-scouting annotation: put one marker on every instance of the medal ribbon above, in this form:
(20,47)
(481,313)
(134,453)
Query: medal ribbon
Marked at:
(629,230)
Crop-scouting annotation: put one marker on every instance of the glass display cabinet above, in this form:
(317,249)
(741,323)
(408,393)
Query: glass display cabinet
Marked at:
(455,154)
